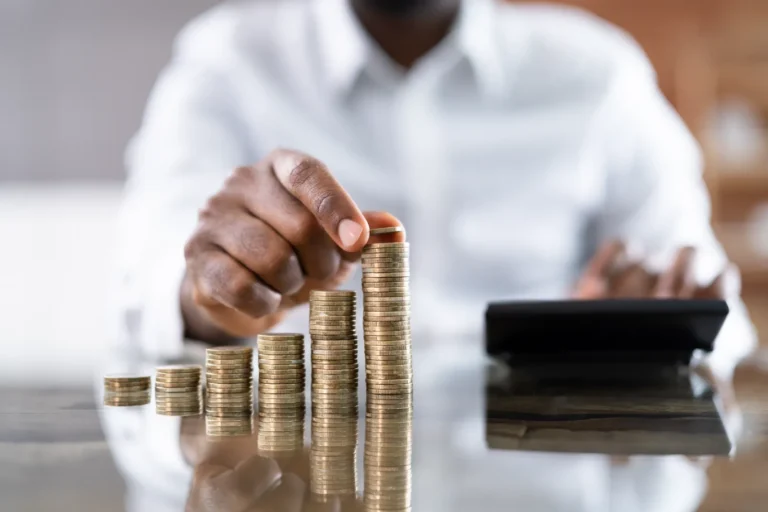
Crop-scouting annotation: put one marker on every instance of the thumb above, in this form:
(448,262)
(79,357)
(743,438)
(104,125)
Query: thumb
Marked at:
(378,220)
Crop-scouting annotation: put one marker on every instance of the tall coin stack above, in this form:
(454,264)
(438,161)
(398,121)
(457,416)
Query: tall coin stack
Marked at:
(334,352)
(178,390)
(387,462)
(281,391)
(386,322)
(229,382)
(122,390)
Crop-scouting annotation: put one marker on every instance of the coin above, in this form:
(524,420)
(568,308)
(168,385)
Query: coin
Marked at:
(229,351)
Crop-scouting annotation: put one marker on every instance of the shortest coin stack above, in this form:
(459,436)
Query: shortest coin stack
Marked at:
(229,382)
(122,390)
(178,390)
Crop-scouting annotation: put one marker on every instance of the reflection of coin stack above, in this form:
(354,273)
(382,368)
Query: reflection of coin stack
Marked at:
(334,352)
(387,462)
(216,427)
(332,458)
(386,321)
(229,382)
(127,390)
(281,432)
(178,390)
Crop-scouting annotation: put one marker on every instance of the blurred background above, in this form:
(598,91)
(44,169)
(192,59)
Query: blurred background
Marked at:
(74,80)
(74,77)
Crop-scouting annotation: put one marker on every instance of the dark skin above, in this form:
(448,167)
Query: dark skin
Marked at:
(284,226)
(407,29)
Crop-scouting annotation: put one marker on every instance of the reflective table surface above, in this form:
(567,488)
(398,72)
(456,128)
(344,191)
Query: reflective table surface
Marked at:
(482,436)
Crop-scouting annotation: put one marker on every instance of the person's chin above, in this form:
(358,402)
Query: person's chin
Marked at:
(402,8)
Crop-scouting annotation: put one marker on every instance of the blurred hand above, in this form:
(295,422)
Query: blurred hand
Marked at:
(610,275)
(274,232)
(256,484)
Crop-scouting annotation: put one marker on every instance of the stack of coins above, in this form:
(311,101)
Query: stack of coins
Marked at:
(229,382)
(386,321)
(217,428)
(333,458)
(281,378)
(334,352)
(121,390)
(387,462)
(178,390)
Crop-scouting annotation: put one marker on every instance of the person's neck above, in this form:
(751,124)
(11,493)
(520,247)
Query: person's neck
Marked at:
(407,38)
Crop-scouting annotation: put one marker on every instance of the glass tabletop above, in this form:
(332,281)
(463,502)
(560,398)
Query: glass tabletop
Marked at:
(480,434)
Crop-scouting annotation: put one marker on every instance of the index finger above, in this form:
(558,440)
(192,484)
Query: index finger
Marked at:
(310,181)
(603,262)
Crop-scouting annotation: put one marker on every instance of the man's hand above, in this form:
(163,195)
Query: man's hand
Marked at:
(611,275)
(275,231)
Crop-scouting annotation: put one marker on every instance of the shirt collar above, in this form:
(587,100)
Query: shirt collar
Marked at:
(345,47)
(343,43)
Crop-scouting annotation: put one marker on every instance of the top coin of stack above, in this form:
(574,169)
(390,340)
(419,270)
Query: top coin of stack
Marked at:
(281,375)
(386,321)
(332,327)
(229,381)
(127,390)
(178,390)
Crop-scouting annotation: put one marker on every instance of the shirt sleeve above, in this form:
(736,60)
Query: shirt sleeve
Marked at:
(189,142)
(655,198)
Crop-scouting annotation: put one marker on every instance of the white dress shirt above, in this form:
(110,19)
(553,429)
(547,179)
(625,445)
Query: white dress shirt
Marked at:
(527,137)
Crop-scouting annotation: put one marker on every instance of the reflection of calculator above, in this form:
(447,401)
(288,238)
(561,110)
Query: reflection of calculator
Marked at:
(638,330)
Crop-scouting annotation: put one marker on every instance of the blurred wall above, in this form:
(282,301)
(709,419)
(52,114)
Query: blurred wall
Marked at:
(74,76)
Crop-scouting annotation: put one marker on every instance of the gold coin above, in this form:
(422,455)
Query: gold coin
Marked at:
(174,369)
(228,375)
(379,310)
(229,351)
(324,338)
(108,388)
(213,387)
(324,294)
(340,306)
(280,336)
(334,344)
(385,245)
(387,231)
(399,292)
(385,265)
(182,377)
(121,379)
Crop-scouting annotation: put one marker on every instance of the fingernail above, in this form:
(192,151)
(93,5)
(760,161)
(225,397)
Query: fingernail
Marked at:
(349,232)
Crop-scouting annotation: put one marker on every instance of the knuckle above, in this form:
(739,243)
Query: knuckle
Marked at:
(304,228)
(191,249)
(252,241)
(275,263)
(213,207)
(324,204)
(239,291)
(304,171)
(267,301)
